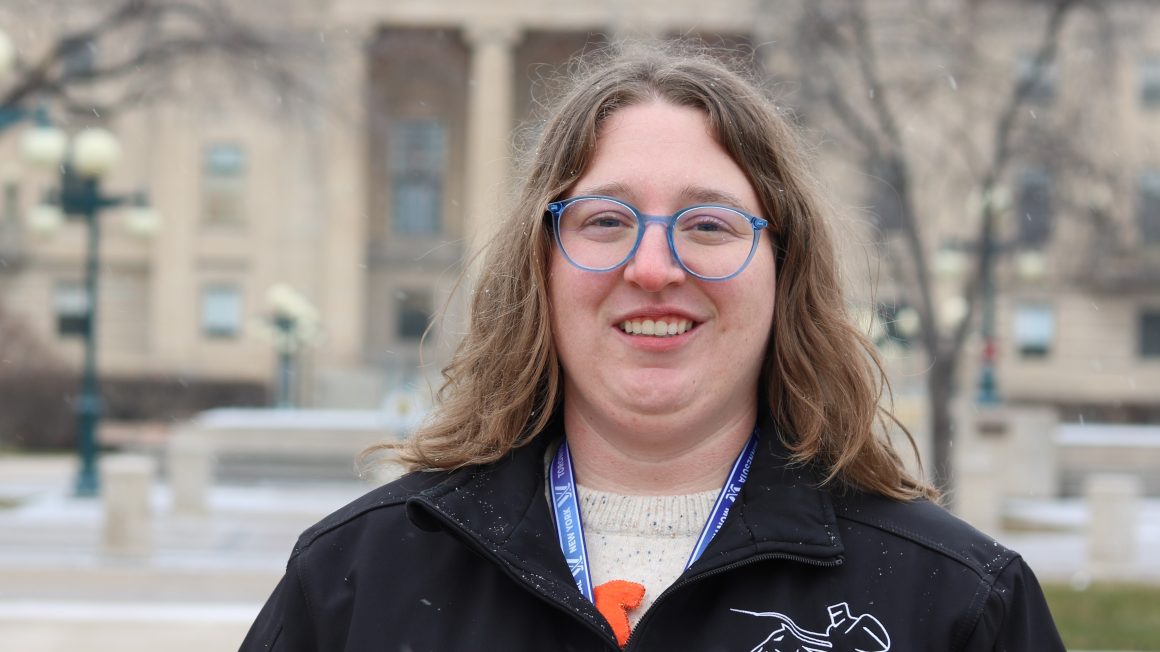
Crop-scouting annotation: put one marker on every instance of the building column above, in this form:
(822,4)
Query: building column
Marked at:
(345,197)
(174,295)
(489,128)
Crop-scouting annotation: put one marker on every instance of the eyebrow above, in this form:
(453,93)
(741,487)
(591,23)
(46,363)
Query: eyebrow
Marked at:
(691,194)
(702,195)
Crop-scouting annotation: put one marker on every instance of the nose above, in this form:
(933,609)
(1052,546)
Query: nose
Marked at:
(653,266)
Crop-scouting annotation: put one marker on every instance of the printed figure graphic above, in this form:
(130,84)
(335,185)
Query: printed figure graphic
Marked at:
(846,633)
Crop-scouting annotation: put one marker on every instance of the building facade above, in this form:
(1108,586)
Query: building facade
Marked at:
(369,202)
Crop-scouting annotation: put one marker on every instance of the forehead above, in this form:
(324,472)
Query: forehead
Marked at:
(662,153)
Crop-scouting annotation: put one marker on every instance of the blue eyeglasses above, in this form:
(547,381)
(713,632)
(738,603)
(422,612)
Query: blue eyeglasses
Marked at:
(599,234)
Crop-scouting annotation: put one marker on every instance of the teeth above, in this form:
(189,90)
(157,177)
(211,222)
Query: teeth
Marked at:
(656,328)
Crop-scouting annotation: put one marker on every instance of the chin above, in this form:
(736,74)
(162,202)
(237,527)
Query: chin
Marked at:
(653,395)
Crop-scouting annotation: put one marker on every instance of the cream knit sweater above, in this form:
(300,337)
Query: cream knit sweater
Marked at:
(642,539)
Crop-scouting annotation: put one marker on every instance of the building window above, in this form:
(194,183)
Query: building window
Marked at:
(1150,81)
(221,311)
(223,183)
(1148,206)
(1042,78)
(1035,209)
(71,303)
(417,164)
(414,310)
(1034,330)
(1150,334)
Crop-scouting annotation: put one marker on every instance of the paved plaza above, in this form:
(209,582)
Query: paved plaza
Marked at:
(199,590)
(208,575)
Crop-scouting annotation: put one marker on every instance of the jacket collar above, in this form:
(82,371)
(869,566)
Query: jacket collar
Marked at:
(500,510)
(502,507)
(781,511)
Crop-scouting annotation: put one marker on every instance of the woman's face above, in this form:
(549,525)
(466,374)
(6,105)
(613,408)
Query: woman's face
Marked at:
(661,158)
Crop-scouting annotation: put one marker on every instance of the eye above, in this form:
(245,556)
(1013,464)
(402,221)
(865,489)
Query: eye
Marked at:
(609,220)
(598,218)
(713,223)
(707,226)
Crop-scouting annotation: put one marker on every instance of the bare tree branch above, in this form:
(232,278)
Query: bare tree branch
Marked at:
(863,134)
(841,62)
(892,158)
(1000,160)
(867,60)
(168,34)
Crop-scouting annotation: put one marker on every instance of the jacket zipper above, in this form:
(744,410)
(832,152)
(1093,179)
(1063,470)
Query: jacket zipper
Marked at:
(473,542)
(824,563)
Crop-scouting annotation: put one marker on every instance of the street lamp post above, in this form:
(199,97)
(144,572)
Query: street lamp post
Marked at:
(988,388)
(93,153)
(1030,266)
(83,197)
(286,327)
(995,204)
(294,322)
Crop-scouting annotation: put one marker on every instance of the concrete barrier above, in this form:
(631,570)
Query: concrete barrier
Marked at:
(1113,523)
(1093,449)
(190,465)
(262,444)
(1001,452)
(976,499)
(127,484)
(1022,448)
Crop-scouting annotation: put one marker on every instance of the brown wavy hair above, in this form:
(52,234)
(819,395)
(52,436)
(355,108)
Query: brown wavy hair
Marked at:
(822,380)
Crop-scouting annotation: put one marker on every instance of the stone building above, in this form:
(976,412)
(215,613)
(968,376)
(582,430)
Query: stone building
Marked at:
(368,203)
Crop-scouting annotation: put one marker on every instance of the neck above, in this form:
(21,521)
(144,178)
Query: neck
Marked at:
(675,460)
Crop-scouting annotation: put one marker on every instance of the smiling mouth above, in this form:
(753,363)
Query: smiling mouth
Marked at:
(656,327)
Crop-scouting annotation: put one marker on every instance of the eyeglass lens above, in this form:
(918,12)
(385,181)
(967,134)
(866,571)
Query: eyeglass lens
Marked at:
(711,241)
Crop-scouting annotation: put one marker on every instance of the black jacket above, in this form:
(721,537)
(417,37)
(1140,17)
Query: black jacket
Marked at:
(468,560)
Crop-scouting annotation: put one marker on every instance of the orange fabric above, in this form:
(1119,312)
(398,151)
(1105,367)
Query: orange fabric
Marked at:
(614,600)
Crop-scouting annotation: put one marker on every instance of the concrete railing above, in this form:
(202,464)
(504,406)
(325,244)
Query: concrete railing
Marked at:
(1087,450)
(274,443)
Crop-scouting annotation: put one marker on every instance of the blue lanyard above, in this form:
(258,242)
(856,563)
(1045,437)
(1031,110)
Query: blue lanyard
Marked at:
(571,532)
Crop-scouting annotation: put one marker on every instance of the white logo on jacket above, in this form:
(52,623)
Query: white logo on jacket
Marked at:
(845,633)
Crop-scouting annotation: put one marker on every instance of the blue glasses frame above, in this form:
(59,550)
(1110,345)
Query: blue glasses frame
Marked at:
(557,208)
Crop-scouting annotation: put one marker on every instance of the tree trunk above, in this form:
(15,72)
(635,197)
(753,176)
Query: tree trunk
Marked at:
(939,390)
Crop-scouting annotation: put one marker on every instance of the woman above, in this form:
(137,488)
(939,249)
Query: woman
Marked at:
(662,430)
